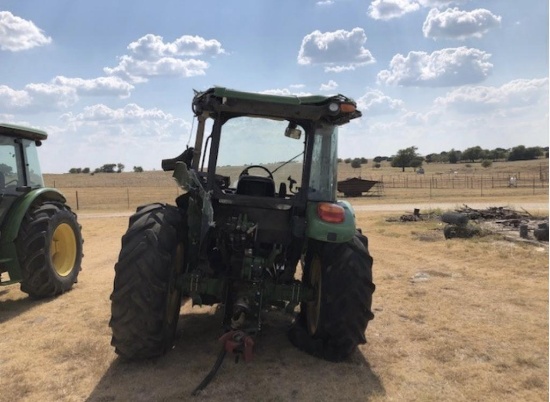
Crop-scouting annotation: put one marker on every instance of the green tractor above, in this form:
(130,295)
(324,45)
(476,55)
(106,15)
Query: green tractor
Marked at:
(270,236)
(40,238)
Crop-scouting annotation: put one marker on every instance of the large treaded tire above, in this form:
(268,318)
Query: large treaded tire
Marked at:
(334,324)
(49,248)
(145,303)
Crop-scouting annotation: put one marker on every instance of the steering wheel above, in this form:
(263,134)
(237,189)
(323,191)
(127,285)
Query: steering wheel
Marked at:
(245,171)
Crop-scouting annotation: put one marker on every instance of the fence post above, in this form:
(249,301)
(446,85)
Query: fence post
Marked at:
(128,196)
(481,185)
(77,205)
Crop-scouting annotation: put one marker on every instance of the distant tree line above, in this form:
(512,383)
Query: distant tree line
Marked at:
(106,168)
(477,153)
(408,157)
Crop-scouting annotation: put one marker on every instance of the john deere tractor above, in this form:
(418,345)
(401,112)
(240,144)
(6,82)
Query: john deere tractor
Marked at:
(40,239)
(272,235)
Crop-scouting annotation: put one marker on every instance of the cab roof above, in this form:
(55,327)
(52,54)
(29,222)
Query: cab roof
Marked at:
(22,132)
(231,102)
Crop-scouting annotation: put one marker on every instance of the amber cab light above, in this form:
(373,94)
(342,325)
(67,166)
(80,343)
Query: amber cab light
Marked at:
(331,213)
(347,108)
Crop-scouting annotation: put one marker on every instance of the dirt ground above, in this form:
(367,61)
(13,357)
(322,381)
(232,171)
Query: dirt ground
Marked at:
(456,320)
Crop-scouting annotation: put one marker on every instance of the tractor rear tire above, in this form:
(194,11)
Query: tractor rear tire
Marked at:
(49,248)
(146,302)
(334,323)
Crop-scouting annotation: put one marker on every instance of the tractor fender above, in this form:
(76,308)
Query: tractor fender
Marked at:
(330,232)
(10,227)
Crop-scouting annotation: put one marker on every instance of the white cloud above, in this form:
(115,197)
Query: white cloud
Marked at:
(374,103)
(139,71)
(101,86)
(100,134)
(446,67)
(325,3)
(60,93)
(13,100)
(37,98)
(17,34)
(129,114)
(329,86)
(515,94)
(337,51)
(456,24)
(151,47)
(388,9)
(150,56)
(441,3)
(285,92)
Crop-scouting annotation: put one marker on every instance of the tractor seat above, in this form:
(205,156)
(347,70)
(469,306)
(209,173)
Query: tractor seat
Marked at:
(256,186)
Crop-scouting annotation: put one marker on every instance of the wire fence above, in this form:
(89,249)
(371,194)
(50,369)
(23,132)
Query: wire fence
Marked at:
(452,181)
(118,198)
(114,192)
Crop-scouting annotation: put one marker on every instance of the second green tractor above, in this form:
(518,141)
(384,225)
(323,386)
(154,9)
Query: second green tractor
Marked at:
(270,236)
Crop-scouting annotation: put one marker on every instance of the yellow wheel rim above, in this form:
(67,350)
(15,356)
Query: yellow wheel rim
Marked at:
(314,307)
(174,294)
(63,249)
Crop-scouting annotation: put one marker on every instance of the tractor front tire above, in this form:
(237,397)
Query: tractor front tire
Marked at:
(334,322)
(49,248)
(145,303)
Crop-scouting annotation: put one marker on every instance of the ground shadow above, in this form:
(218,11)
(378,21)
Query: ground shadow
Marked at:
(12,308)
(278,371)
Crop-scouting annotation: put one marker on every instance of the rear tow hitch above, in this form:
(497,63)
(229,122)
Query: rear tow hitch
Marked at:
(236,342)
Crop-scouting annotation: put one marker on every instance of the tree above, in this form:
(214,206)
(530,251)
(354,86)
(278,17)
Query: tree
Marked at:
(486,163)
(498,153)
(6,169)
(404,158)
(416,163)
(356,163)
(521,153)
(120,167)
(107,168)
(86,170)
(533,152)
(454,156)
(138,169)
(443,157)
(472,154)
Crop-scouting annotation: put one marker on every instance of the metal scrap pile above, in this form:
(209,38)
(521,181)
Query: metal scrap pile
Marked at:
(503,214)
(507,217)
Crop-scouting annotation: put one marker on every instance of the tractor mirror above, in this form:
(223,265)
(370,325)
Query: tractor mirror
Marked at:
(293,132)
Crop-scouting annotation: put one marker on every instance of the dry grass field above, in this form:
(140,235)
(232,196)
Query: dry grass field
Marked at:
(441,182)
(456,320)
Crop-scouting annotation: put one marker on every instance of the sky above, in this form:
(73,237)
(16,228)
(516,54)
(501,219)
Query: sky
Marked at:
(112,81)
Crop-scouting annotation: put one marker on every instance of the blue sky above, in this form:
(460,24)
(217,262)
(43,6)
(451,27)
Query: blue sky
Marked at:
(111,81)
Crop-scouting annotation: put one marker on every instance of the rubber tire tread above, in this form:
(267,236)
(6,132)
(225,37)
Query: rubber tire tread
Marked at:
(346,300)
(142,274)
(39,277)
